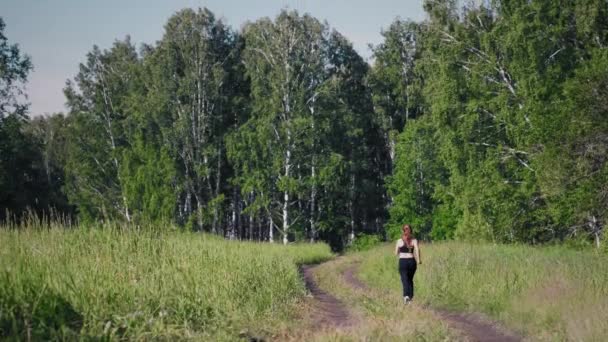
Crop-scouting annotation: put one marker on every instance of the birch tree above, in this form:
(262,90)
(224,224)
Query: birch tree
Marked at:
(285,60)
(394,82)
(192,62)
(97,99)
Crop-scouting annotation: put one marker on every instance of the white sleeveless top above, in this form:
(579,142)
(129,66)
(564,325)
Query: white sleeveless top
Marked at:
(401,243)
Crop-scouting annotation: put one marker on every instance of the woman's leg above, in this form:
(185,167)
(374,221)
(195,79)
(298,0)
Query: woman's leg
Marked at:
(404,276)
(411,270)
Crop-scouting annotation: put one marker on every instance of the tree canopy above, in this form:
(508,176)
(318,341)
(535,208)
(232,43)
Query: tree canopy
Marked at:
(486,121)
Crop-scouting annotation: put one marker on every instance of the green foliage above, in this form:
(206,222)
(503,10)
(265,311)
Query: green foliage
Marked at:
(306,146)
(484,122)
(14,69)
(411,184)
(510,137)
(364,242)
(393,79)
(148,176)
(193,70)
(30,179)
(99,102)
(20,171)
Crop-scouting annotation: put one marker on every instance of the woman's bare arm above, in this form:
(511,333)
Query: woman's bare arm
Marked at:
(417,252)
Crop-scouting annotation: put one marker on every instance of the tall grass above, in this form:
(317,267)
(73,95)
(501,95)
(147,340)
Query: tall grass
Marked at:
(110,283)
(550,293)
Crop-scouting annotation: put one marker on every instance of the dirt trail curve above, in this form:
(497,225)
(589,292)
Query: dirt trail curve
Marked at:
(329,311)
(474,328)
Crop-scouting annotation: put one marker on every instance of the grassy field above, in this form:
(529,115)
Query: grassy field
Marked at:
(548,293)
(111,284)
(108,284)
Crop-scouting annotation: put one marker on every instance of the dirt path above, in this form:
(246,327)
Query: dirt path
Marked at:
(476,328)
(329,311)
(472,326)
(352,280)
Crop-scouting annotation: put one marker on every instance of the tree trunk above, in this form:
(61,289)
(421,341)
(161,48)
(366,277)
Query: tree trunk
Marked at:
(250,228)
(232,232)
(313,197)
(286,119)
(199,212)
(286,191)
(217,187)
(285,216)
(596,231)
(109,111)
(239,215)
(391,151)
(313,176)
(270,228)
(260,229)
(188,204)
(351,237)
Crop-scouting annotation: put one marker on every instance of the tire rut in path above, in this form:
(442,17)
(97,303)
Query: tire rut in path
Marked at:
(473,327)
(329,311)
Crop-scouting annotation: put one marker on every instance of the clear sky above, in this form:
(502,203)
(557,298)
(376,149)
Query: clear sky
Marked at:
(57,34)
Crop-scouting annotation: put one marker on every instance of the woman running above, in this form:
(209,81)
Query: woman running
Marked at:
(409,257)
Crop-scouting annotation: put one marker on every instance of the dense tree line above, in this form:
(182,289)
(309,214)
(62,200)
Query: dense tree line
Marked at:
(509,141)
(264,133)
(31,172)
(485,121)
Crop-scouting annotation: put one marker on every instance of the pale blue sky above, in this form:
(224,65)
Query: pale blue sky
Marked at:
(57,34)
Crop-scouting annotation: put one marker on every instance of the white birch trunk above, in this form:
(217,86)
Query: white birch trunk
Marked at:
(270,229)
(109,110)
(217,189)
(596,231)
(313,175)
(313,197)
(199,211)
(188,204)
(286,196)
(250,228)
(287,112)
(286,191)
(351,237)
(391,149)
(231,234)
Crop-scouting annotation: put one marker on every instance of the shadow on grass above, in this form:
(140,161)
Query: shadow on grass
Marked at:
(48,317)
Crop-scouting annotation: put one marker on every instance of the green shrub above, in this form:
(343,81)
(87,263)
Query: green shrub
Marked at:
(364,242)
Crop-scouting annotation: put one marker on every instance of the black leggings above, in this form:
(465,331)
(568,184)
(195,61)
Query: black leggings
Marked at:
(407,268)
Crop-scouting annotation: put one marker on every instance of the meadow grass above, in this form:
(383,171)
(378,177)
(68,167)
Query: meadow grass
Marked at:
(547,293)
(119,284)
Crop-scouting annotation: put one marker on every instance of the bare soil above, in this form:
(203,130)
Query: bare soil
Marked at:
(329,311)
(475,327)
